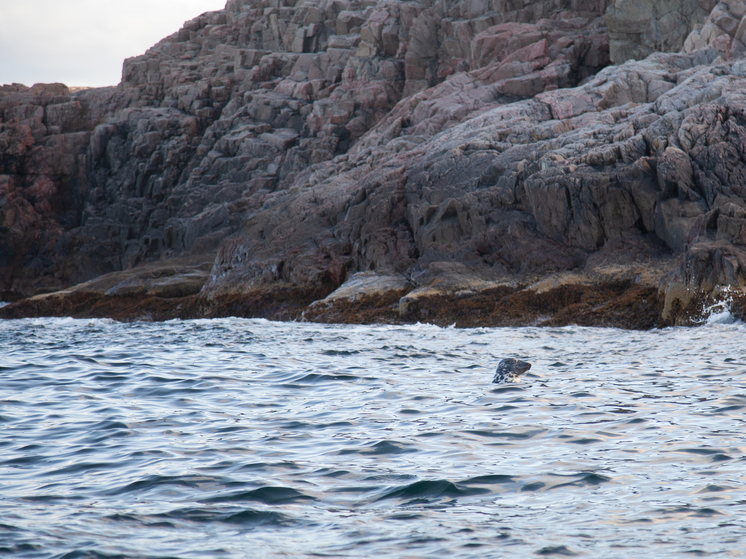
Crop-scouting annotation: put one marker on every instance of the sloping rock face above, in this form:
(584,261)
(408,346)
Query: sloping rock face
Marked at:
(638,28)
(724,29)
(232,108)
(643,163)
(467,162)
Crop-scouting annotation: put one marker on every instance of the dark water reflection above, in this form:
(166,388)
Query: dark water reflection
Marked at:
(245,438)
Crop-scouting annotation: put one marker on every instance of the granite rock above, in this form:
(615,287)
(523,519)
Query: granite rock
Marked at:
(447,151)
(629,166)
(209,123)
(724,29)
(638,28)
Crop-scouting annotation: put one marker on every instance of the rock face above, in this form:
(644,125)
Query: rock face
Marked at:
(724,29)
(638,28)
(642,163)
(214,119)
(44,137)
(468,162)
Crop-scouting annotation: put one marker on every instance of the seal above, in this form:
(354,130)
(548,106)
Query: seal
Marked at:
(510,370)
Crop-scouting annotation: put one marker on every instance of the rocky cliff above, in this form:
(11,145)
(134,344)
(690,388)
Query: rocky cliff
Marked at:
(476,162)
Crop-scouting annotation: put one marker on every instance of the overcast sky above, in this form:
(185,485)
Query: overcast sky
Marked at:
(84,42)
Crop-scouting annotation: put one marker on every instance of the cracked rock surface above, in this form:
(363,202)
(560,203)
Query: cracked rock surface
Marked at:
(424,155)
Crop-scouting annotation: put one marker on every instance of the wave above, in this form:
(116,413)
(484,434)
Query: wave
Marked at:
(431,490)
(158,481)
(556,550)
(339,352)
(575,480)
(530,434)
(93,554)
(245,517)
(85,467)
(490,479)
(266,495)
(315,378)
(176,517)
(381,447)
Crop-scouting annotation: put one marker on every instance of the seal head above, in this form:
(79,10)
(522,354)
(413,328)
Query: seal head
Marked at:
(510,370)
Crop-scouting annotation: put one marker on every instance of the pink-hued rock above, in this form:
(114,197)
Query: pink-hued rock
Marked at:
(458,143)
(639,28)
(724,29)
(208,123)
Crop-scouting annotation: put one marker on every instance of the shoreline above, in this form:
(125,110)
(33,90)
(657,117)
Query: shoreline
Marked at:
(615,304)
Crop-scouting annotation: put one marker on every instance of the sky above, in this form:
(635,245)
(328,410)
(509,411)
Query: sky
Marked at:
(82,43)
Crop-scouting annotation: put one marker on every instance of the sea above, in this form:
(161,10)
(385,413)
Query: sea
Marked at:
(237,438)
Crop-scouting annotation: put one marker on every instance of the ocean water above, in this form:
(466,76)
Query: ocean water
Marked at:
(247,438)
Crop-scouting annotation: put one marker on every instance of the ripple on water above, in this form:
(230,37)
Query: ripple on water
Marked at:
(428,491)
(266,495)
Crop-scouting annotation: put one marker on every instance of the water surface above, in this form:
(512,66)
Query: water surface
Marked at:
(247,438)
